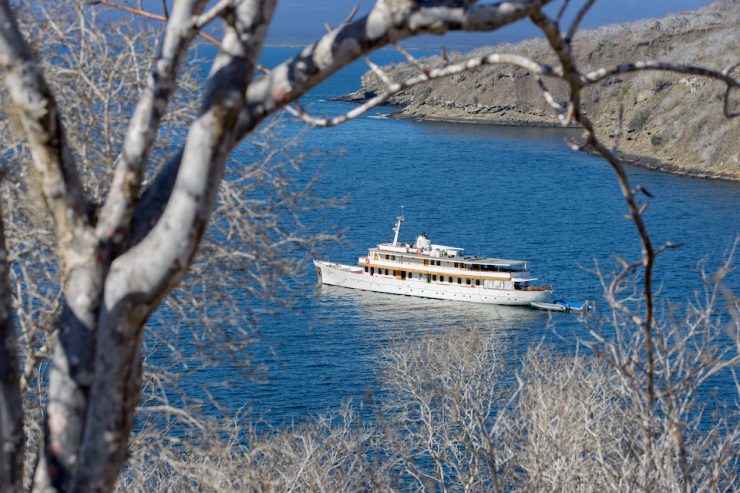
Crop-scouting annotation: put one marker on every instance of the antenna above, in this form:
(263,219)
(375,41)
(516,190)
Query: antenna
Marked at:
(397,228)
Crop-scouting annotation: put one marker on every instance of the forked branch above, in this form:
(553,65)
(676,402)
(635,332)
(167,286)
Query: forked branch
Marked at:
(185,22)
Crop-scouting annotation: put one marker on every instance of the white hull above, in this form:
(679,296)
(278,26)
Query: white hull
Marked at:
(354,277)
(553,307)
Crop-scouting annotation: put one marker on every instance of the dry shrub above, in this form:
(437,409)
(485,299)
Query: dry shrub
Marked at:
(566,419)
(330,453)
(438,409)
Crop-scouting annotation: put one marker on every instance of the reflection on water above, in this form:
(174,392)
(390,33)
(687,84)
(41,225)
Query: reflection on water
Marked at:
(380,319)
(380,309)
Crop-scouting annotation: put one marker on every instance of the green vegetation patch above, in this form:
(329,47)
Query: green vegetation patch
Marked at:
(425,94)
(639,120)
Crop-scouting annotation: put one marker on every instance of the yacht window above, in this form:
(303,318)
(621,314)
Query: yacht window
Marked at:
(411,275)
(434,277)
(477,282)
(456,265)
(467,281)
(450,278)
(366,268)
(372,270)
(459,280)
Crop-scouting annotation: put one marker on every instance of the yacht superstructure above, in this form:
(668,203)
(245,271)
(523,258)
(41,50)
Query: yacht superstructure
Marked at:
(443,272)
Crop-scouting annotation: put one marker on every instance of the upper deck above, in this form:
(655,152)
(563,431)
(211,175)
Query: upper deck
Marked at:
(423,257)
(452,255)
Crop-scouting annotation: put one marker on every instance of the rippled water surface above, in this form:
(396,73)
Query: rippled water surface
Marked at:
(497,191)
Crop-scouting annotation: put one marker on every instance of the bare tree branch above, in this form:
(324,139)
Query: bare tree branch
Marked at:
(11,410)
(107,293)
(149,15)
(576,82)
(385,24)
(723,75)
(561,11)
(42,126)
(64,197)
(426,76)
(577,20)
(115,214)
(163,257)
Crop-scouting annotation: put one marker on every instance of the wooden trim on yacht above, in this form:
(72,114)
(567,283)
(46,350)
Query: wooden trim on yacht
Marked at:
(443,274)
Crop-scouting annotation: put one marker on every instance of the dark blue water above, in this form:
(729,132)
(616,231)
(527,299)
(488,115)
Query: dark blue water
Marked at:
(497,191)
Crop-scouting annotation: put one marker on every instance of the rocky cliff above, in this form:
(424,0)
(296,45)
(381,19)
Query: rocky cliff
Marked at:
(673,122)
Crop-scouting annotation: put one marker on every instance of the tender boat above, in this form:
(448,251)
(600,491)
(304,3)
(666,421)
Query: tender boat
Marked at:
(435,271)
(553,307)
(573,306)
(560,306)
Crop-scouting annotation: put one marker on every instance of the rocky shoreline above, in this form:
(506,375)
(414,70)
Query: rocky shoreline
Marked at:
(671,123)
(640,161)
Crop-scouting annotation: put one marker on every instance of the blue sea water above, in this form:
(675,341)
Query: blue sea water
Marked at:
(497,191)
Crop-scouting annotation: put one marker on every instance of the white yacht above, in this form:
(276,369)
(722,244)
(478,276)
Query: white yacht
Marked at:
(435,271)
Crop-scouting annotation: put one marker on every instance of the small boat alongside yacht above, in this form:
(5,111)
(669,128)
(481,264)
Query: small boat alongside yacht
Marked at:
(560,306)
(551,307)
(429,270)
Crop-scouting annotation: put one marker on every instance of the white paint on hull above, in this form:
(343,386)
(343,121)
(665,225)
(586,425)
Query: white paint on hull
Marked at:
(354,277)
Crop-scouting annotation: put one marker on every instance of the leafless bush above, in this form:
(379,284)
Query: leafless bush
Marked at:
(564,420)
(330,453)
(580,422)
(438,405)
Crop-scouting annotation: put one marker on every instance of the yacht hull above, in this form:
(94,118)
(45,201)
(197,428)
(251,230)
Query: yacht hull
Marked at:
(354,277)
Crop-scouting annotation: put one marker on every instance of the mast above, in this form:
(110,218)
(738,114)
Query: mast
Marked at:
(397,228)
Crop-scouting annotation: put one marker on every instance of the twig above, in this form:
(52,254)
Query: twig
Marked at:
(562,10)
(577,21)
(378,71)
(413,61)
(149,15)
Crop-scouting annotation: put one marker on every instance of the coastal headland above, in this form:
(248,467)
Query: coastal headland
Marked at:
(673,123)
